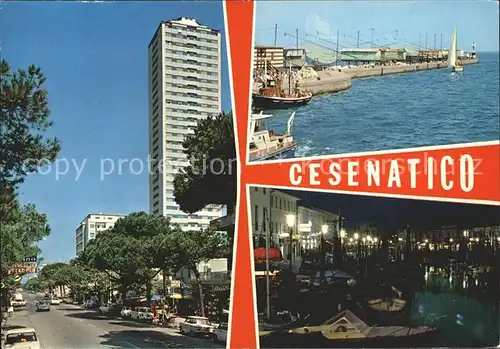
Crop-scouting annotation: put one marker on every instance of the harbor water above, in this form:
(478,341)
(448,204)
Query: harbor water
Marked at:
(465,312)
(400,111)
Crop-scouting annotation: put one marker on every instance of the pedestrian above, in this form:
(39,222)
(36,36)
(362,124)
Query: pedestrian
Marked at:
(10,310)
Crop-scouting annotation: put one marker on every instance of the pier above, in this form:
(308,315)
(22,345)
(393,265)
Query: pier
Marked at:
(332,81)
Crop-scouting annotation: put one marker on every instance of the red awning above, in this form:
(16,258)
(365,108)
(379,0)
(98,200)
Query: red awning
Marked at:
(274,254)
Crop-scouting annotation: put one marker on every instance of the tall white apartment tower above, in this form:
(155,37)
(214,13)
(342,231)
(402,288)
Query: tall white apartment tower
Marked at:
(184,87)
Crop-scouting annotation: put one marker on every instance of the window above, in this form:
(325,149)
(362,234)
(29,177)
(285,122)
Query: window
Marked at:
(256,223)
(100,225)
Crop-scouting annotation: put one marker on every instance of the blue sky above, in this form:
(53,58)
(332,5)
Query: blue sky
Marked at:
(95,59)
(476,21)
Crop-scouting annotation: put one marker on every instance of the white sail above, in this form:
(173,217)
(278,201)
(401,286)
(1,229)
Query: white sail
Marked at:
(452,53)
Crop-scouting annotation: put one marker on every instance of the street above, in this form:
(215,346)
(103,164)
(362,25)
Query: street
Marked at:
(70,326)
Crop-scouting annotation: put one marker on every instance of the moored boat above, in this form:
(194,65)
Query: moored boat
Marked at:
(265,144)
(272,95)
(346,330)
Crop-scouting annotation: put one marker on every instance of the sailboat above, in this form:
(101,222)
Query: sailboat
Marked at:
(452,55)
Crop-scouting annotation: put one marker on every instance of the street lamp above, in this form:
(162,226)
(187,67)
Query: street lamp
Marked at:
(290,222)
(342,233)
(356,236)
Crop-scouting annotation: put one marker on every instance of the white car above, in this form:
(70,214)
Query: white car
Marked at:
(220,332)
(22,338)
(126,312)
(196,325)
(43,305)
(18,303)
(104,309)
(55,301)
(145,314)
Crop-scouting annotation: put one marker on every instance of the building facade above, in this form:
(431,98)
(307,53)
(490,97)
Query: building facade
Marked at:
(184,87)
(295,58)
(373,55)
(272,54)
(91,226)
(311,225)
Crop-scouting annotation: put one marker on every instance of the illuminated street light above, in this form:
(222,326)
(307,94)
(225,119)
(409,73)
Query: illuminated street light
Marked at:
(466,233)
(356,236)
(426,241)
(324,228)
(375,239)
(342,233)
(369,238)
(451,240)
(364,239)
(351,240)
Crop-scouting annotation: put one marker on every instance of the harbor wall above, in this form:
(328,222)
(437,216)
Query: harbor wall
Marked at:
(398,69)
(326,82)
(331,81)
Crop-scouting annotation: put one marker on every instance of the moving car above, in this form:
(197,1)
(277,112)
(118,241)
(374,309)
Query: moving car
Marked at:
(196,325)
(22,338)
(43,305)
(220,332)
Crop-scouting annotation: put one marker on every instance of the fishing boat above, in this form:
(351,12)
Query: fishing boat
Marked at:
(455,65)
(346,330)
(272,96)
(265,144)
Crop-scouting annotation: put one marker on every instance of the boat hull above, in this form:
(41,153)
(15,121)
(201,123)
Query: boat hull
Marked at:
(269,102)
(457,69)
(285,153)
(317,340)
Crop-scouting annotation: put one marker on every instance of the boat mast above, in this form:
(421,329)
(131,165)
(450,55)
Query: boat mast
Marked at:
(290,77)
(265,72)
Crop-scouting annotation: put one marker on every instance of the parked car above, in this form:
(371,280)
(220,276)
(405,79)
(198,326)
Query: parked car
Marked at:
(104,309)
(55,301)
(126,312)
(196,325)
(18,303)
(220,332)
(22,338)
(91,304)
(43,305)
(144,314)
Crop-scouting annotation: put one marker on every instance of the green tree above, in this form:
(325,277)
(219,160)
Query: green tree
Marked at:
(24,118)
(19,238)
(194,247)
(211,176)
(132,252)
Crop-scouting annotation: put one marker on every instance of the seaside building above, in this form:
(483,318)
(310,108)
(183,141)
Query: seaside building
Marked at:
(372,55)
(91,226)
(272,54)
(296,58)
(184,87)
(275,214)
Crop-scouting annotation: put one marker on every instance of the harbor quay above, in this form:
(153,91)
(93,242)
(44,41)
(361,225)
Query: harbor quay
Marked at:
(338,80)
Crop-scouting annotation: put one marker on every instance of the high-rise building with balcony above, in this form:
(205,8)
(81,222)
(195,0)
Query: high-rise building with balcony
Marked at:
(184,87)
(91,226)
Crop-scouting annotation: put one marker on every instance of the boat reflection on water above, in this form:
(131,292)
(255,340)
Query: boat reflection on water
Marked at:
(465,310)
(346,330)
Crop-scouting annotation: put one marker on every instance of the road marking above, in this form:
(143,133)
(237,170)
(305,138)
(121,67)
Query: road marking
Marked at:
(132,345)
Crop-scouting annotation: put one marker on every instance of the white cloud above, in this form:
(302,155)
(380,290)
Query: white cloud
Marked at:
(316,26)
